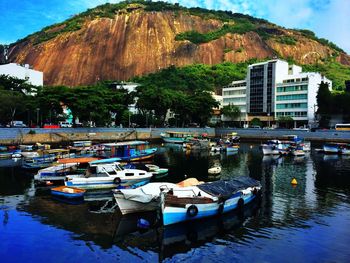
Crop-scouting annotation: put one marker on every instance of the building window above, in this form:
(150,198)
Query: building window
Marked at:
(292,97)
(291,105)
(292,88)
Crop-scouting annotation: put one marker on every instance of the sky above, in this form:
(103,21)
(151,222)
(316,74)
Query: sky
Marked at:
(329,19)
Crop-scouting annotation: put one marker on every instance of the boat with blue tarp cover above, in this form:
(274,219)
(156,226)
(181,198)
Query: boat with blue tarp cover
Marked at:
(208,199)
(130,151)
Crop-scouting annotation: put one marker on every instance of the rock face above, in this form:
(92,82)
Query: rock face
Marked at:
(139,42)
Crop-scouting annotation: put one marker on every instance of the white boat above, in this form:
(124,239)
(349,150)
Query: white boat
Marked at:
(28,155)
(141,199)
(345,149)
(147,197)
(216,169)
(270,149)
(298,152)
(331,148)
(107,176)
(209,199)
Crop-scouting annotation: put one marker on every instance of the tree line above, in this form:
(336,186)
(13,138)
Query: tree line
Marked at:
(185,92)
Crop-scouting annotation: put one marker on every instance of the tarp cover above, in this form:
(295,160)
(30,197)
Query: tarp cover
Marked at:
(226,188)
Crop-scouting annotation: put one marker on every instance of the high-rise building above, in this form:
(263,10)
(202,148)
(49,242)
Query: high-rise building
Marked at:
(274,89)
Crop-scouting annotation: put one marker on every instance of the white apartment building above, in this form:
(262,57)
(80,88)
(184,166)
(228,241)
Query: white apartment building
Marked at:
(33,77)
(235,94)
(274,89)
(296,97)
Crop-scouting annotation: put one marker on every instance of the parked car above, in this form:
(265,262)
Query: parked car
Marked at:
(64,124)
(255,127)
(17,124)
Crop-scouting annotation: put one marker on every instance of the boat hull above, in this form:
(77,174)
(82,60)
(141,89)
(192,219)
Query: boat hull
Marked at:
(330,149)
(95,183)
(128,206)
(270,150)
(175,214)
(173,140)
(69,195)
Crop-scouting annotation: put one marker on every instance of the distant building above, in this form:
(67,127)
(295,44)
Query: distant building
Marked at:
(275,89)
(235,94)
(216,112)
(130,87)
(33,77)
(296,97)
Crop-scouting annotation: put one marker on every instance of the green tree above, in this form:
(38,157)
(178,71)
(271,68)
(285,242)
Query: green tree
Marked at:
(325,104)
(286,122)
(256,122)
(231,111)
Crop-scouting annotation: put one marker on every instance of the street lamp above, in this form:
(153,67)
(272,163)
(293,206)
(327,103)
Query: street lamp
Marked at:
(37,116)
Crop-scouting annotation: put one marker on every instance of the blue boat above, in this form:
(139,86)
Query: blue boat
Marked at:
(131,151)
(209,199)
(176,137)
(68,192)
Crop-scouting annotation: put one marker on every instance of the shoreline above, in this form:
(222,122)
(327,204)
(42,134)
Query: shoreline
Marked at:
(16,136)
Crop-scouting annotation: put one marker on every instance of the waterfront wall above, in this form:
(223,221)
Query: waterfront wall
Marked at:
(261,135)
(10,136)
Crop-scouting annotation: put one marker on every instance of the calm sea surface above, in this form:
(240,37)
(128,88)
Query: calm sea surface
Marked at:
(306,223)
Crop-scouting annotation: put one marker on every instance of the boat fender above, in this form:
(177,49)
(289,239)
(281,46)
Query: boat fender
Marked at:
(240,204)
(221,208)
(117,181)
(192,211)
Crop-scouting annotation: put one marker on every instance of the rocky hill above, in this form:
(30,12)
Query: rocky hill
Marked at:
(120,41)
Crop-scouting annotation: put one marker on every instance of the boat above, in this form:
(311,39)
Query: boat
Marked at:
(345,149)
(68,192)
(156,170)
(233,147)
(295,139)
(82,143)
(216,169)
(57,173)
(176,136)
(331,148)
(271,147)
(36,163)
(298,151)
(107,176)
(208,199)
(130,151)
(147,197)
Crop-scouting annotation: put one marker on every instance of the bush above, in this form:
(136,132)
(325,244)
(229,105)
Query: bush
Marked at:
(32,132)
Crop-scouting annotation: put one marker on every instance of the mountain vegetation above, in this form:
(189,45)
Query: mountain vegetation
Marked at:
(134,38)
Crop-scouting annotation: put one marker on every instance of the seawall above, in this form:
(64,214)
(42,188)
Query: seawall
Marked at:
(9,136)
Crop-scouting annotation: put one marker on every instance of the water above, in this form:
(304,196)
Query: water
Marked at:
(306,223)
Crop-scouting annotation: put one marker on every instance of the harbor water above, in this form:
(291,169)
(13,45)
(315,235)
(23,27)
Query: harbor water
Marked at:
(308,222)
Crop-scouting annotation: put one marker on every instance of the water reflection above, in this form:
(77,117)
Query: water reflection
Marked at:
(320,198)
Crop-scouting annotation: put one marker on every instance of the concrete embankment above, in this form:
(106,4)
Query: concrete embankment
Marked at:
(261,135)
(9,136)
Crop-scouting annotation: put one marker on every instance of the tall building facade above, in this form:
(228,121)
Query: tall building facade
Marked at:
(275,89)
